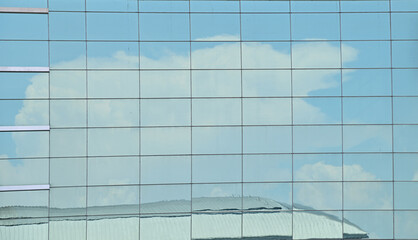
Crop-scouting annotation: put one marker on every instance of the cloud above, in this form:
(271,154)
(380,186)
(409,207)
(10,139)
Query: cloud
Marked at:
(357,195)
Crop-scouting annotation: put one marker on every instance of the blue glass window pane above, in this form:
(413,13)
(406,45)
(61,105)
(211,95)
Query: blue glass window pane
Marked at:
(320,26)
(219,55)
(405,54)
(316,110)
(315,139)
(316,82)
(216,140)
(402,112)
(112,55)
(367,82)
(265,27)
(165,55)
(167,27)
(366,54)
(112,26)
(405,138)
(404,25)
(368,138)
(367,110)
(265,55)
(318,54)
(267,139)
(67,26)
(23,85)
(24,26)
(405,82)
(215,27)
(406,167)
(365,26)
(68,55)
(24,53)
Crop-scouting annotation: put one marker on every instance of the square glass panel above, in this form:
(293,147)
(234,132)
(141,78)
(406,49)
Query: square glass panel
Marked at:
(317,196)
(68,172)
(316,26)
(405,82)
(113,84)
(113,170)
(405,138)
(112,55)
(167,225)
(24,172)
(113,113)
(317,110)
(402,229)
(406,167)
(155,84)
(219,83)
(368,195)
(154,197)
(164,26)
(264,55)
(24,144)
(365,26)
(227,168)
(216,55)
(216,111)
(165,140)
(165,112)
(113,141)
(68,113)
(67,26)
(265,27)
(216,140)
(366,82)
(24,85)
(316,82)
(22,204)
(403,25)
(24,53)
(113,200)
(313,139)
(302,229)
(266,83)
(67,55)
(266,111)
(367,138)
(405,195)
(366,54)
(165,55)
(267,139)
(318,55)
(404,54)
(317,167)
(67,84)
(367,110)
(67,201)
(68,142)
(24,26)
(24,112)
(165,169)
(370,224)
(402,110)
(367,167)
(267,168)
(215,27)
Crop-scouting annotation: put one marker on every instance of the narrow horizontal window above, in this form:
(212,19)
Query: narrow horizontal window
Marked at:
(22,10)
(24,187)
(23,128)
(24,69)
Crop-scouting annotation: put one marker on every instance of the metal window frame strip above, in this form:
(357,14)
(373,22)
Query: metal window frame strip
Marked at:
(23,10)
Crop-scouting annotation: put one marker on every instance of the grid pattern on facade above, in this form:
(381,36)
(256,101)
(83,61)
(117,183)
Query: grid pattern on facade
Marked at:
(209,119)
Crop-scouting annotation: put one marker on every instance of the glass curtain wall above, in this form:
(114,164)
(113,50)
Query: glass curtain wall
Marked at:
(250,119)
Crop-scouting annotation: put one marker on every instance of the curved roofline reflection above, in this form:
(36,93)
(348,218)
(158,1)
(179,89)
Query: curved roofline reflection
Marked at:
(262,218)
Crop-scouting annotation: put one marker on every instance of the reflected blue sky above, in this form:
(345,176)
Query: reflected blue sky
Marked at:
(317,100)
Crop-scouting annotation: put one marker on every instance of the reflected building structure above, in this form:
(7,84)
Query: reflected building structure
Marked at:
(250,119)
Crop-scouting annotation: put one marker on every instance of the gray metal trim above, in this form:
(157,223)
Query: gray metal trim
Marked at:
(23,128)
(24,187)
(23,10)
(24,69)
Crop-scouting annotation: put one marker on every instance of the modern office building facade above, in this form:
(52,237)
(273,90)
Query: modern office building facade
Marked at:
(127,119)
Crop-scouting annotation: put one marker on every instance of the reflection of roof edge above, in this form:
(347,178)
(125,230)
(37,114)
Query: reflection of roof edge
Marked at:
(209,208)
